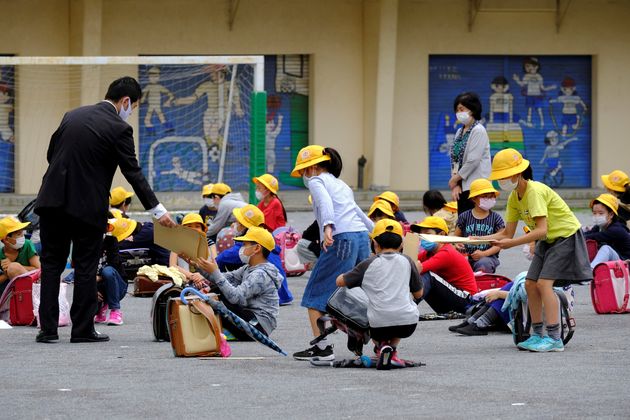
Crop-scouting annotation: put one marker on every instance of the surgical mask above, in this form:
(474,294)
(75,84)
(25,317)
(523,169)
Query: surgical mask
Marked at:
(19,242)
(306,180)
(259,195)
(487,203)
(428,245)
(507,184)
(125,113)
(463,117)
(241,254)
(600,220)
(209,202)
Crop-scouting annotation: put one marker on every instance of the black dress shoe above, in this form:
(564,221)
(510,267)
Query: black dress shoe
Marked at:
(44,337)
(454,328)
(92,338)
(472,329)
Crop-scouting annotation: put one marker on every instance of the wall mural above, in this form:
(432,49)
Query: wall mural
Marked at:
(7,129)
(539,105)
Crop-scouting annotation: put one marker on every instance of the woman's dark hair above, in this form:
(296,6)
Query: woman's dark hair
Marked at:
(125,86)
(388,240)
(471,101)
(433,200)
(334,165)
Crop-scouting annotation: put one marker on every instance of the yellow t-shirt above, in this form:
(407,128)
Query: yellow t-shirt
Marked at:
(540,200)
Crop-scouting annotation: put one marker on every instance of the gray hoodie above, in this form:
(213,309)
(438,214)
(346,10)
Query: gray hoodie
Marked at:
(224,215)
(253,288)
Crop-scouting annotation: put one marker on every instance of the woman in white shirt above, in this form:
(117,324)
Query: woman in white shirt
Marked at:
(343,232)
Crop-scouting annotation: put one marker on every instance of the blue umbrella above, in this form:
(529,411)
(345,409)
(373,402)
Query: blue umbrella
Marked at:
(243,325)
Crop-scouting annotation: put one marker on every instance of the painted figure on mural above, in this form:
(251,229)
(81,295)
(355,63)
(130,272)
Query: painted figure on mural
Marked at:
(177,169)
(6,108)
(152,95)
(570,100)
(533,89)
(553,173)
(216,91)
(272,130)
(501,102)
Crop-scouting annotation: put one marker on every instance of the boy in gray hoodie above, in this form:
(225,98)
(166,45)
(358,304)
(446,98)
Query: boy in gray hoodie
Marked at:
(251,291)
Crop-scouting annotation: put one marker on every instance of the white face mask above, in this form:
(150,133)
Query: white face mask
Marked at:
(241,254)
(19,243)
(463,117)
(208,202)
(259,195)
(125,113)
(306,180)
(487,203)
(507,184)
(600,220)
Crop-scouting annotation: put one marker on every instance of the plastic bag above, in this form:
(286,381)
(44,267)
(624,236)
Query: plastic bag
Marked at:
(64,305)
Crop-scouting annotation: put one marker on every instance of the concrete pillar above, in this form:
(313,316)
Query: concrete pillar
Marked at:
(86,21)
(384,94)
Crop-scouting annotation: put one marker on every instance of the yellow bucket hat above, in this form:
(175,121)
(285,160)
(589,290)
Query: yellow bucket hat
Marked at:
(386,225)
(616,180)
(308,156)
(432,222)
(383,206)
(206,190)
(10,225)
(506,163)
(123,228)
(118,195)
(191,218)
(451,206)
(268,181)
(220,189)
(116,213)
(390,197)
(260,236)
(481,186)
(249,216)
(607,200)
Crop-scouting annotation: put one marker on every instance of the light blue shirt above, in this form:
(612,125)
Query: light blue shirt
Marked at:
(333,204)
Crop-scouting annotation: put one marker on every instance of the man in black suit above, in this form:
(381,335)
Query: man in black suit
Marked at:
(83,154)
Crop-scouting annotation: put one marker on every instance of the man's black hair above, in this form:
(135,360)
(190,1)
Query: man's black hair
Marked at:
(388,240)
(125,86)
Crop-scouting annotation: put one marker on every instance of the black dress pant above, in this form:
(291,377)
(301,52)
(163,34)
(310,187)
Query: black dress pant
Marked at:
(57,231)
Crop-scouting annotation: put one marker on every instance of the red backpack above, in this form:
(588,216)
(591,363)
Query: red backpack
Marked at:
(16,303)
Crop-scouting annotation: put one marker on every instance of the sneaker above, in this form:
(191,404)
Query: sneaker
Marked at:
(115,317)
(385,358)
(454,328)
(529,343)
(397,363)
(547,344)
(472,329)
(101,316)
(325,354)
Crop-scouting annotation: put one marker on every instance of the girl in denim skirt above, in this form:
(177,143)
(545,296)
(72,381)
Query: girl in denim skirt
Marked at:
(343,230)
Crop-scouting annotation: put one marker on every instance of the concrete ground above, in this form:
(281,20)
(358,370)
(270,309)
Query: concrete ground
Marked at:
(133,377)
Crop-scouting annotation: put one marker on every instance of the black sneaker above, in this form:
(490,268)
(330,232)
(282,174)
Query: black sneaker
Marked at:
(454,328)
(472,330)
(385,358)
(321,354)
(44,337)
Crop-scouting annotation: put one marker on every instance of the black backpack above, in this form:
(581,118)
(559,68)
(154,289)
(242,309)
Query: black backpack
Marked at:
(28,215)
(158,310)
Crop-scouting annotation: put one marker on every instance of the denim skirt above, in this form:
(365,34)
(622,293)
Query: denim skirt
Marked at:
(347,250)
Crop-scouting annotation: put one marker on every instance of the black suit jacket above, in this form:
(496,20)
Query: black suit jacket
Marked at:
(83,154)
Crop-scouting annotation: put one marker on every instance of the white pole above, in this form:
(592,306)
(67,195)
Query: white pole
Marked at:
(226,130)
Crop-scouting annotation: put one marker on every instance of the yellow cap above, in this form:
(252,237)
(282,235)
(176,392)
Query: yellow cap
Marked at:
(390,197)
(220,189)
(481,186)
(452,206)
(10,225)
(123,228)
(507,163)
(386,225)
(118,195)
(206,190)
(268,181)
(308,156)
(116,213)
(607,200)
(249,216)
(191,218)
(433,222)
(616,180)
(383,206)
(260,236)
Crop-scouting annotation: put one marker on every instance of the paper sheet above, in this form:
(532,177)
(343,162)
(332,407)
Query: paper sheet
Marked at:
(453,239)
(181,240)
(411,245)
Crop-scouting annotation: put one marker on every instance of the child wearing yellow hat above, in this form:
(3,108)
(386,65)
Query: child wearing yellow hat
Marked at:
(617,183)
(208,210)
(560,257)
(388,279)
(268,202)
(481,221)
(456,284)
(379,210)
(343,235)
(18,256)
(434,204)
(120,199)
(393,199)
(609,230)
(225,201)
(251,291)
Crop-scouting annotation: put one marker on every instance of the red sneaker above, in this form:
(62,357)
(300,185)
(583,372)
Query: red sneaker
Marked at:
(115,317)
(101,316)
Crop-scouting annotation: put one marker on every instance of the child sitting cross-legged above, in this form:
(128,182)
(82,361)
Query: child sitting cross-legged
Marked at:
(389,279)
(251,292)
(18,255)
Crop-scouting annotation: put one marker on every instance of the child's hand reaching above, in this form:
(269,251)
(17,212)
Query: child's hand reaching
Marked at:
(197,279)
(493,295)
(205,265)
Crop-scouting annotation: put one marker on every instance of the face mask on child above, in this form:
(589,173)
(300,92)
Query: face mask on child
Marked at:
(259,195)
(19,243)
(208,202)
(487,203)
(241,254)
(507,184)
(600,220)
(428,245)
